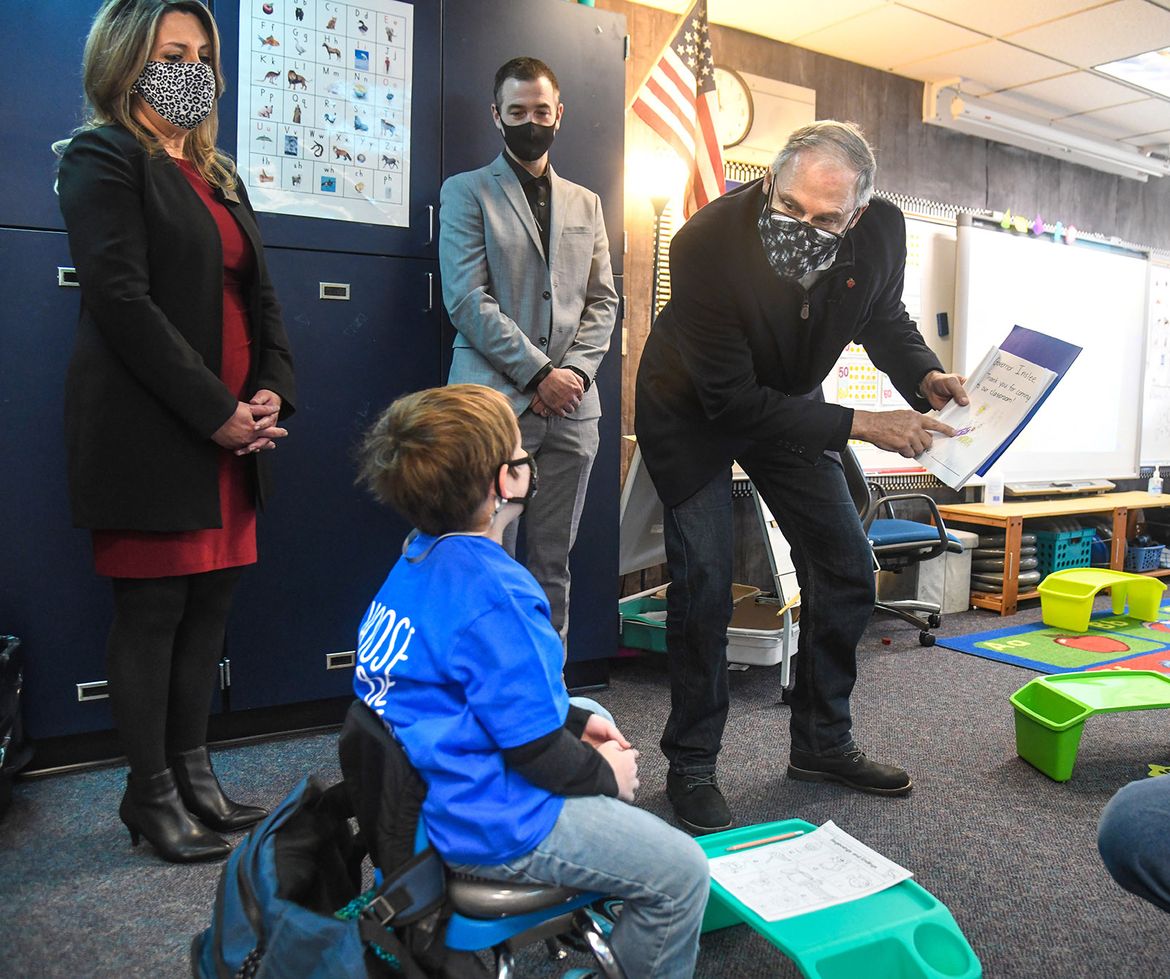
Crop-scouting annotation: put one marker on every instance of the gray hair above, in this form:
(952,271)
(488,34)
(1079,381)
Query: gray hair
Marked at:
(844,142)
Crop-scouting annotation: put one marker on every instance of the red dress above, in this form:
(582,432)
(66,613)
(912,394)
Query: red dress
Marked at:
(146,554)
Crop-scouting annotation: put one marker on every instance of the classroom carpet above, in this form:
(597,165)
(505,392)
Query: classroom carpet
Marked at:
(1111,642)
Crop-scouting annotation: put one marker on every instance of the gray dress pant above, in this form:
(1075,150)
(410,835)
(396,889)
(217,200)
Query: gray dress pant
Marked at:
(564,449)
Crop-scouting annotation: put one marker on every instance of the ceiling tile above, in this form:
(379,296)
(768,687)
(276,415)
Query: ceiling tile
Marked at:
(887,36)
(1124,121)
(985,67)
(1078,91)
(1115,30)
(784,20)
(1160,139)
(999,17)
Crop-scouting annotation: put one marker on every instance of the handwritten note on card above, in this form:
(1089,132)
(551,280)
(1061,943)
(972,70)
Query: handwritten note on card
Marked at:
(1003,389)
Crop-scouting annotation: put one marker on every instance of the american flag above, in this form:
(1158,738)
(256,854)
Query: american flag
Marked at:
(676,102)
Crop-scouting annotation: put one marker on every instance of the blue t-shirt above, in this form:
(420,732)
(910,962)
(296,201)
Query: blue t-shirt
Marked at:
(456,653)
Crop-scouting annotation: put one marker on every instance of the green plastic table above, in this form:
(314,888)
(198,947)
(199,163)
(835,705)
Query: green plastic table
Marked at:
(903,932)
(1051,711)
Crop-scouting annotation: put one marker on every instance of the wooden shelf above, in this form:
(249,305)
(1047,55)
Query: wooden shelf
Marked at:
(1009,518)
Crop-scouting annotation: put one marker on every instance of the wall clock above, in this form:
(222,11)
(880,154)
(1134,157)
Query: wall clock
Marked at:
(734,112)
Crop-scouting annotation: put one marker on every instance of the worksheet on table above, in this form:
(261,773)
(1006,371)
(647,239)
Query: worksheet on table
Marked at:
(817,870)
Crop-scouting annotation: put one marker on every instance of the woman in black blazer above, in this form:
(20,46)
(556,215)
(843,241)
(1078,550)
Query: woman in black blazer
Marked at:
(179,376)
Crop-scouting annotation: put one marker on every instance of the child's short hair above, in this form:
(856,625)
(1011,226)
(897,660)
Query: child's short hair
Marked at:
(433,454)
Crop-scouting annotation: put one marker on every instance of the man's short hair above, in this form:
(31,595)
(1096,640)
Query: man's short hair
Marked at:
(525,70)
(432,455)
(844,142)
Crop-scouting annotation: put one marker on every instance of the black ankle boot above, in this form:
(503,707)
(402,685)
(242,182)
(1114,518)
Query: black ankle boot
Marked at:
(202,794)
(152,808)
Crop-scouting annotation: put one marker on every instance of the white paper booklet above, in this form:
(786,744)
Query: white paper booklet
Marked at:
(817,870)
(1003,389)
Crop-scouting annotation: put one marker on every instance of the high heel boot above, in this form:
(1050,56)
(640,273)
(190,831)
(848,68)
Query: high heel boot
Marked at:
(204,797)
(152,808)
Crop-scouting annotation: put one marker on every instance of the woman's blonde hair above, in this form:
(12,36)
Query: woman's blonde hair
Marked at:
(116,51)
(434,454)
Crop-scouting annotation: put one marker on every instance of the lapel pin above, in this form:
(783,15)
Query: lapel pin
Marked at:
(850,283)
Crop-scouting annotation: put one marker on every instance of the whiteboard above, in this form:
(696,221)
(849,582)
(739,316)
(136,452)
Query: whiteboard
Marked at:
(1087,294)
(929,289)
(1155,449)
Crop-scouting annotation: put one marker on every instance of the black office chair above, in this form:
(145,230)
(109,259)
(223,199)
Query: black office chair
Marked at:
(898,543)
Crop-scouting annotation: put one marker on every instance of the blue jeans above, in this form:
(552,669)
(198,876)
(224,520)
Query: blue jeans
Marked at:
(1132,837)
(834,565)
(601,844)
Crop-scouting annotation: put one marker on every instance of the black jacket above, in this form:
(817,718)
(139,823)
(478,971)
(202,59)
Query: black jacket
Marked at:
(731,349)
(143,394)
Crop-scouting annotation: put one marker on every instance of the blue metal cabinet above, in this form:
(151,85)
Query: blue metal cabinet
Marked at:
(40,76)
(49,594)
(325,546)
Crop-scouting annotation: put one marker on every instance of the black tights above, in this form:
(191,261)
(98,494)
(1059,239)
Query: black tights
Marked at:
(165,642)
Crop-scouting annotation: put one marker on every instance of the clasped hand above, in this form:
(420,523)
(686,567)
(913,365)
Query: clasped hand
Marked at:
(560,393)
(616,750)
(252,426)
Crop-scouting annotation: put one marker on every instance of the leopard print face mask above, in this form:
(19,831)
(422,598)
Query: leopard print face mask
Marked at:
(182,92)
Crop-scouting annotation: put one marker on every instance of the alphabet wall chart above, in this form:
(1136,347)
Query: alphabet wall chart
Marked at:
(324,108)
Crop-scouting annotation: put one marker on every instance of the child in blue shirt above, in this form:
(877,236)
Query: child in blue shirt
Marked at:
(456,653)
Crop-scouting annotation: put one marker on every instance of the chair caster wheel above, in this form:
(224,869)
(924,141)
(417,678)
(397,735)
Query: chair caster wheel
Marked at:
(934,620)
(925,638)
(785,695)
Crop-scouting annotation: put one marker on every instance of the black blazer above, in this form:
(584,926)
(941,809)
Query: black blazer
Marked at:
(143,395)
(736,346)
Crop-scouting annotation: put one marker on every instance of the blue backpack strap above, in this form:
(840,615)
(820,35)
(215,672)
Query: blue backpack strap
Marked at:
(409,893)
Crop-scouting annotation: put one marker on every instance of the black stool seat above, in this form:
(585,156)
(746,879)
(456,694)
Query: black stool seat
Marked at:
(476,897)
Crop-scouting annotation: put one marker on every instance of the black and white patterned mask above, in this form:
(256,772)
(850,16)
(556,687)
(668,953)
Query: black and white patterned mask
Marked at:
(182,92)
(794,248)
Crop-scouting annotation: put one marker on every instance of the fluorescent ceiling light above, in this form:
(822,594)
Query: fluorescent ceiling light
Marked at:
(1150,71)
(942,105)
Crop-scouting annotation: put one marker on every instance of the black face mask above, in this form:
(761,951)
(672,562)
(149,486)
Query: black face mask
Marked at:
(528,141)
(794,248)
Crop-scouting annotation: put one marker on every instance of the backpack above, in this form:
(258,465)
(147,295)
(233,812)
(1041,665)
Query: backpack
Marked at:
(15,751)
(289,901)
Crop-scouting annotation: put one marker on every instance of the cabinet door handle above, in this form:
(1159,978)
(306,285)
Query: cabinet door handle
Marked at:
(430,224)
(430,292)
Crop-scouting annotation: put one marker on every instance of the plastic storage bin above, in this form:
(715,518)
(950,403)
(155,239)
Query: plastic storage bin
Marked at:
(755,637)
(1057,550)
(1143,558)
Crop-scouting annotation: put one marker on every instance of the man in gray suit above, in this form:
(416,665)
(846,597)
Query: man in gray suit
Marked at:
(524,260)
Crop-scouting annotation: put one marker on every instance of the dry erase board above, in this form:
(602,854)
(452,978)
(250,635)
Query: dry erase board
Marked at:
(1088,294)
(929,290)
(1155,448)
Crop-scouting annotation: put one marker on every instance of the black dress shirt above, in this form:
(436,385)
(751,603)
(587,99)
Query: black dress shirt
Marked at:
(539,194)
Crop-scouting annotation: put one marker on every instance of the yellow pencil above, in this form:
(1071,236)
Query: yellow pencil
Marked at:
(788,604)
(766,839)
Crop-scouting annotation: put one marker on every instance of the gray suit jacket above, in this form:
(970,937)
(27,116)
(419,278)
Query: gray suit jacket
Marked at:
(513,311)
